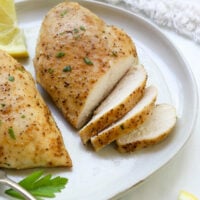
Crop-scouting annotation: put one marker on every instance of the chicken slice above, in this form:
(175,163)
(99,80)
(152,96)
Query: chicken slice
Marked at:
(129,122)
(154,130)
(29,136)
(121,100)
(79,59)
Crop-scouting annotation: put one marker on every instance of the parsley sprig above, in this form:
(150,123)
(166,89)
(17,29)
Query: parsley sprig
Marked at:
(40,185)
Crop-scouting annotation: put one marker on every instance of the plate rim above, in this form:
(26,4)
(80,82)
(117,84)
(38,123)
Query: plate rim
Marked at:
(189,70)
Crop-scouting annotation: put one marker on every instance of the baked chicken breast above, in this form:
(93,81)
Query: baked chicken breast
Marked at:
(79,59)
(29,136)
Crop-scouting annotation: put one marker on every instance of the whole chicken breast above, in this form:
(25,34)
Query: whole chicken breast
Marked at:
(79,59)
(29,136)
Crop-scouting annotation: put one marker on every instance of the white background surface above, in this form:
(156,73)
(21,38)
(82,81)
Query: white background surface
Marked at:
(182,172)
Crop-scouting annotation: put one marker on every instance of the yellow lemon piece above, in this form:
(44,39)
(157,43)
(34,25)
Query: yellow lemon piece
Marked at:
(13,42)
(7,12)
(183,195)
(12,38)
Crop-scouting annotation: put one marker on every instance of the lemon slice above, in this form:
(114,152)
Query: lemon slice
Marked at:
(183,195)
(14,43)
(7,12)
(12,38)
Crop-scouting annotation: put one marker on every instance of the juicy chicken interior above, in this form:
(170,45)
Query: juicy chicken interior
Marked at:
(79,59)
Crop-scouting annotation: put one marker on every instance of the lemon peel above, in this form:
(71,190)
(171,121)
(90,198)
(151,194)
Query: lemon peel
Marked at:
(184,195)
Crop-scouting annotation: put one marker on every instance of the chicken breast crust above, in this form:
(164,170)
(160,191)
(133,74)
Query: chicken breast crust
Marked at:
(29,136)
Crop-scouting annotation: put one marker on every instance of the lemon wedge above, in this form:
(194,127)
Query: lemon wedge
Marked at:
(12,37)
(183,195)
(7,12)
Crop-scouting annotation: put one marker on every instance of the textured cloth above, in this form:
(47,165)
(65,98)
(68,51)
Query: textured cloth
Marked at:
(181,16)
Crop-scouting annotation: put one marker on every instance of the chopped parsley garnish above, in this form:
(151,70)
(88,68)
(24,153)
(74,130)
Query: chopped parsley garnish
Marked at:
(82,28)
(40,185)
(75,30)
(87,61)
(11,133)
(21,69)
(76,36)
(11,78)
(60,54)
(3,105)
(67,68)
(62,14)
(50,70)
(23,116)
(62,33)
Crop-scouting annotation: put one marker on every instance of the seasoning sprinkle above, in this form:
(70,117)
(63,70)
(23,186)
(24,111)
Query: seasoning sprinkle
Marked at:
(114,53)
(62,14)
(82,28)
(11,133)
(23,116)
(50,70)
(67,68)
(122,126)
(21,69)
(87,61)
(11,78)
(62,33)
(60,54)
(3,105)
(6,164)
(75,30)
(76,37)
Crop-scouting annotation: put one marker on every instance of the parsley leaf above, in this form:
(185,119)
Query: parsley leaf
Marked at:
(11,133)
(87,61)
(40,185)
(11,78)
(60,54)
(67,68)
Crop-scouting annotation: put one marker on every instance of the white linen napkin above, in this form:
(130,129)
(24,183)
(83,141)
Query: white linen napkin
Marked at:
(182,16)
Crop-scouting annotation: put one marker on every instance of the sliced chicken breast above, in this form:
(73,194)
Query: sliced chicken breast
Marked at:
(154,130)
(121,100)
(129,122)
(79,59)
(29,136)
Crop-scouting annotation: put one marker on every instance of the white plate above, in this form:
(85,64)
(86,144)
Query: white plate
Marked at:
(106,174)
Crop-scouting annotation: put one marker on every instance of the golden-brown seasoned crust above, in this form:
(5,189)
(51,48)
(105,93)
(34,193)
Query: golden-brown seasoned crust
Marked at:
(124,126)
(80,37)
(137,145)
(29,136)
(154,130)
(118,111)
(99,142)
